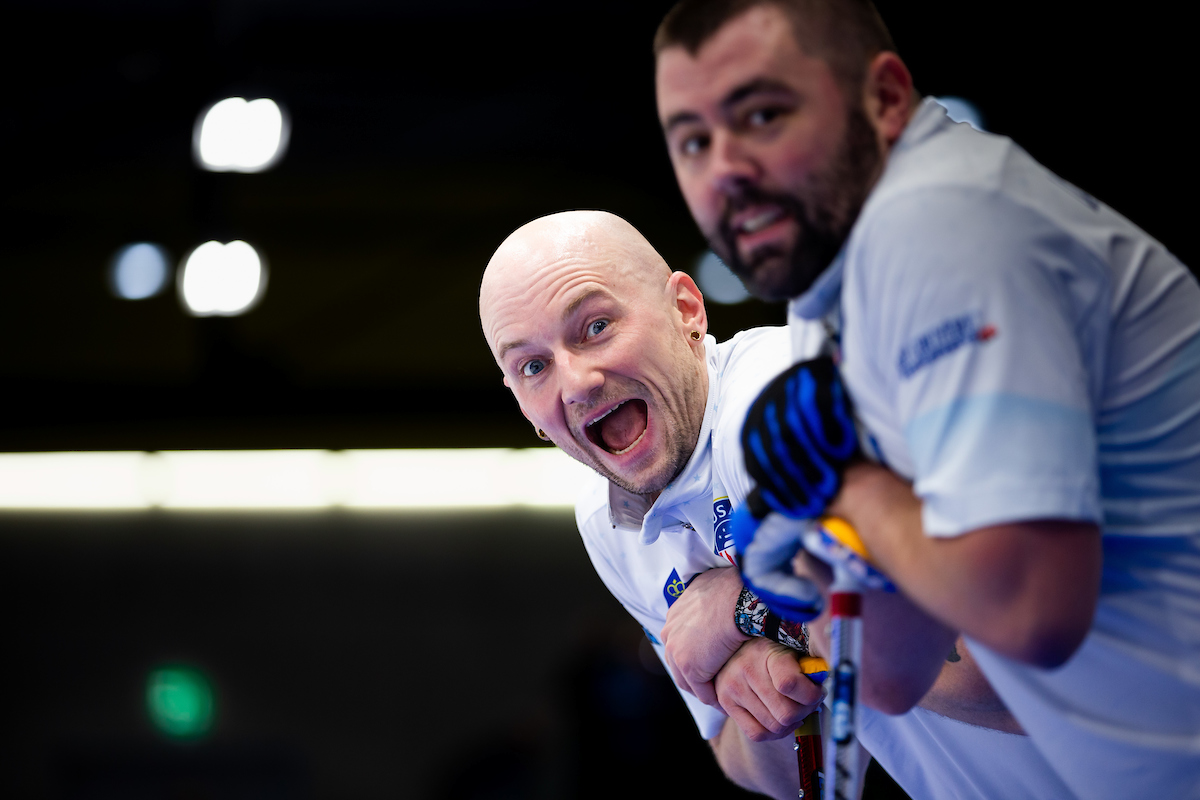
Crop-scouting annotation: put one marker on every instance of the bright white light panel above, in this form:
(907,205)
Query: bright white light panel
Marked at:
(222,279)
(290,479)
(239,136)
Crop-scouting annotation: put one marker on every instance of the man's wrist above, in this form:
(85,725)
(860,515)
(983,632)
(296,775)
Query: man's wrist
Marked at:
(753,618)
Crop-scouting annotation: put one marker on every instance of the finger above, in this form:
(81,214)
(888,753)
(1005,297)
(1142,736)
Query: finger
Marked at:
(784,712)
(790,682)
(749,725)
(746,698)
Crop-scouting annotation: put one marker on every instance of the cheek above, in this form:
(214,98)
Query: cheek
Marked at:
(535,408)
(810,148)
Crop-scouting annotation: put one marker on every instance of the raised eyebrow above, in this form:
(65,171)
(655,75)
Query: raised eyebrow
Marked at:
(679,118)
(574,305)
(571,309)
(753,87)
(504,348)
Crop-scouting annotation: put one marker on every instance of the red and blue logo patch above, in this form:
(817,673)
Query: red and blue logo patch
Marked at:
(722,508)
(941,341)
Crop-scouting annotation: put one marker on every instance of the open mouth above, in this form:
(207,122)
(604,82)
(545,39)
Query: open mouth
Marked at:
(620,430)
(756,222)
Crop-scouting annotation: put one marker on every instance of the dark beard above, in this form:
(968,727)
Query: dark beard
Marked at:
(824,215)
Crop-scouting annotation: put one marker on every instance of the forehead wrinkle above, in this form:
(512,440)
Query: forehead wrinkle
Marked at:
(511,308)
(550,256)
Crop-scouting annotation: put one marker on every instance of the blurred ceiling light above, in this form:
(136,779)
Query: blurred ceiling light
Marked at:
(222,279)
(717,282)
(66,481)
(138,271)
(300,480)
(238,136)
(961,110)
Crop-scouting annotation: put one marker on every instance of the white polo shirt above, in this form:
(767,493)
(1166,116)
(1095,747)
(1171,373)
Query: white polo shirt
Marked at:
(1021,351)
(647,554)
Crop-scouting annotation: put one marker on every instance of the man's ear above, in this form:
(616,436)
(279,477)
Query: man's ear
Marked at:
(689,304)
(888,96)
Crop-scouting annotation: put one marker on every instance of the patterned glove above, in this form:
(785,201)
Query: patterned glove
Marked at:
(799,437)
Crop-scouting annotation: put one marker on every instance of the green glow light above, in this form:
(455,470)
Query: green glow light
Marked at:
(180,701)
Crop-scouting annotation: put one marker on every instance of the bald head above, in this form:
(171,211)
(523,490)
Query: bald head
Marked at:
(574,245)
(601,344)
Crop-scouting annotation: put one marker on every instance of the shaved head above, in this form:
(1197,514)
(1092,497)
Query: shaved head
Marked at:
(602,242)
(601,344)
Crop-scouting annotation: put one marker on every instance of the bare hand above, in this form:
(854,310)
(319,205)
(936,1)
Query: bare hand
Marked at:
(700,635)
(763,690)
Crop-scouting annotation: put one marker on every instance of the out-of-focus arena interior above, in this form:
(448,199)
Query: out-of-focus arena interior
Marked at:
(262,532)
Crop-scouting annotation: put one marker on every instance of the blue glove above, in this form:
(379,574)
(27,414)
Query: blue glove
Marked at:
(833,541)
(766,545)
(799,437)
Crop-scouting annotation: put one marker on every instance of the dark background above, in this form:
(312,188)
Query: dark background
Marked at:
(439,656)
(423,133)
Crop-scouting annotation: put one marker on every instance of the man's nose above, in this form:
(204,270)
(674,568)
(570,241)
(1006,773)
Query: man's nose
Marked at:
(731,165)
(580,378)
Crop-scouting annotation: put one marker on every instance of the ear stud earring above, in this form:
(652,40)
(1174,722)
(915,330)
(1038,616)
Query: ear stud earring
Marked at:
(695,336)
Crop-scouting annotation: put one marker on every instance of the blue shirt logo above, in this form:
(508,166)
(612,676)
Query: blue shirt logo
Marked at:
(673,588)
(722,508)
(942,340)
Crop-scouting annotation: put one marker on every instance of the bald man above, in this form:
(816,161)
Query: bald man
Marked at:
(605,350)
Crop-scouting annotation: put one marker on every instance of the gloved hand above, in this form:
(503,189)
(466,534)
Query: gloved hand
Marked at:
(833,541)
(766,543)
(766,546)
(799,437)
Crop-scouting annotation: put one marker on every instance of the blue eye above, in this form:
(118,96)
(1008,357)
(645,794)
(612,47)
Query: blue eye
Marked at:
(596,328)
(532,368)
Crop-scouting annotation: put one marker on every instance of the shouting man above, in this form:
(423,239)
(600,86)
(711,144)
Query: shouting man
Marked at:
(606,352)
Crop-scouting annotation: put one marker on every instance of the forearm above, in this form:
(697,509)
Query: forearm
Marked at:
(1026,590)
(903,647)
(765,767)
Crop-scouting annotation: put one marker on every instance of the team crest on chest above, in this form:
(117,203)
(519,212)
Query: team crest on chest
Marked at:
(723,539)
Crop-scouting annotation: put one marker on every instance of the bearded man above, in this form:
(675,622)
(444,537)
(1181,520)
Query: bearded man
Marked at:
(1024,363)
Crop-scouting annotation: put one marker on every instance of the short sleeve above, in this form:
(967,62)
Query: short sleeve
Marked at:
(968,312)
(709,720)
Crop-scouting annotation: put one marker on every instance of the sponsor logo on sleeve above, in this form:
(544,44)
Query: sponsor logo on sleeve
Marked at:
(673,588)
(942,340)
